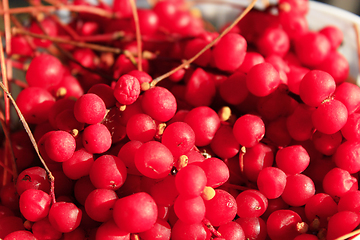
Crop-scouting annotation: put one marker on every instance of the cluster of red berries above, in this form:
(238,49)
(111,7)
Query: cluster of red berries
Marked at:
(257,138)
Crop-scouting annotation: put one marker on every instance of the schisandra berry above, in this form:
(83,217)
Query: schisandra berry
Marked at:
(135,213)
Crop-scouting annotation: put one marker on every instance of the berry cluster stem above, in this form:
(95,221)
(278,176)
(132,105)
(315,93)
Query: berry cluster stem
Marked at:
(96,47)
(50,9)
(212,43)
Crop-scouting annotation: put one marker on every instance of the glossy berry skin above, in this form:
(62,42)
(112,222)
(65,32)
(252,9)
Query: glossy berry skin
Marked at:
(330,117)
(96,138)
(316,86)
(190,180)
(251,203)
(271,182)
(90,109)
(217,172)
(135,213)
(338,181)
(108,172)
(255,159)
(229,52)
(10,224)
(262,79)
(160,230)
(274,41)
(64,216)
(99,204)
(190,209)
(248,130)
(349,94)
(336,65)
(233,89)
(179,138)
(253,228)
(78,165)
(293,159)
(159,103)
(127,89)
(282,224)
(44,71)
(205,122)
(321,206)
(141,127)
(20,234)
(109,230)
(60,146)
(35,103)
(341,223)
(32,178)
(298,190)
(154,160)
(312,48)
(34,204)
(44,229)
(221,209)
(182,230)
(224,143)
(345,156)
(200,89)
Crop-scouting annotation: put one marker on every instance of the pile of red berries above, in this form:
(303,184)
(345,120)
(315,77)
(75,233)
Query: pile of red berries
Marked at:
(257,138)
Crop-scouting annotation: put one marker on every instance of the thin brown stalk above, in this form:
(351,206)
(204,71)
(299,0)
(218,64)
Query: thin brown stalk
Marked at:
(6,168)
(7,107)
(138,33)
(66,41)
(8,150)
(189,61)
(102,37)
(7,26)
(51,9)
(27,38)
(5,6)
(71,58)
(6,120)
(54,2)
(211,228)
(66,27)
(28,131)
(346,236)
(19,83)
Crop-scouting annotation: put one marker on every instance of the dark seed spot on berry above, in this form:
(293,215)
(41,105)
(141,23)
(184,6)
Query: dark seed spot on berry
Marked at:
(86,142)
(174,171)
(26,178)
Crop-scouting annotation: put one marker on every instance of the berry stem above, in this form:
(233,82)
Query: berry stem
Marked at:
(50,9)
(138,33)
(212,43)
(211,228)
(8,150)
(66,27)
(66,41)
(102,37)
(346,236)
(7,27)
(27,38)
(31,136)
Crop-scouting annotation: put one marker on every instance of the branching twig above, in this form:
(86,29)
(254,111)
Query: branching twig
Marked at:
(66,41)
(138,33)
(187,62)
(51,9)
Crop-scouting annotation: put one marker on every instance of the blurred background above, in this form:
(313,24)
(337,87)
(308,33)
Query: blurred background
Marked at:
(349,5)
